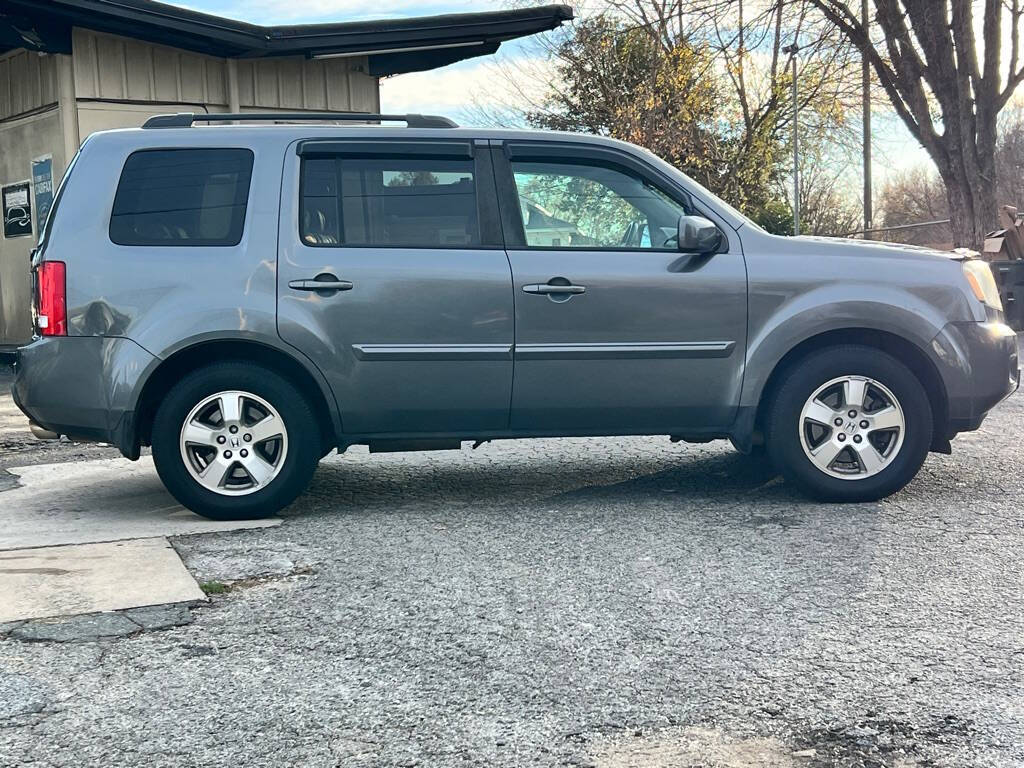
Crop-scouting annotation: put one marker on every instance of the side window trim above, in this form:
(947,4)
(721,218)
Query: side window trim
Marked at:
(512,228)
(503,152)
(455,150)
(487,211)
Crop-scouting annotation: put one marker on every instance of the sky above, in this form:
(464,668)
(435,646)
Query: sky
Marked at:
(452,90)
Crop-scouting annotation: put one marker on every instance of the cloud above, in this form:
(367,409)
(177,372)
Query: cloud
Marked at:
(438,90)
(493,83)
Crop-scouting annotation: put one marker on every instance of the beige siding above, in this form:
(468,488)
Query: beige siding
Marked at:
(304,84)
(28,81)
(20,141)
(103,116)
(116,68)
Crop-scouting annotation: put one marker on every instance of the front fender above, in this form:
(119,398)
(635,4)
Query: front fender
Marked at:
(890,310)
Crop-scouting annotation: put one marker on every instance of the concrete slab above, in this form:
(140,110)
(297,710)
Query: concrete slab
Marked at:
(11,419)
(89,578)
(93,501)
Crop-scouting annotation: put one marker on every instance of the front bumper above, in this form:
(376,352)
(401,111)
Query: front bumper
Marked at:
(84,387)
(981,368)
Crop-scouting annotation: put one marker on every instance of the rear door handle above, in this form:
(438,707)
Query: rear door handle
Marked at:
(323,282)
(559,289)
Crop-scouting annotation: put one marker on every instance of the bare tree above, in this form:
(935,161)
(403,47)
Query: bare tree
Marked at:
(918,195)
(826,206)
(914,197)
(1010,158)
(947,93)
(746,38)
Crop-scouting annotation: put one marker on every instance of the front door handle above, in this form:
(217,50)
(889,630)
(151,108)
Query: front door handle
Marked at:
(548,288)
(325,282)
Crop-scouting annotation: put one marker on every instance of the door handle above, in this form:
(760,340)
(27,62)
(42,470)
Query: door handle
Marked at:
(547,288)
(322,282)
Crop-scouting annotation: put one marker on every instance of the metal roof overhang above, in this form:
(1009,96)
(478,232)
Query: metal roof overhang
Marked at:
(392,46)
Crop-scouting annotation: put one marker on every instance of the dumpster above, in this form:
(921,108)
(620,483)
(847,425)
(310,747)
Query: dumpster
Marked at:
(1009,276)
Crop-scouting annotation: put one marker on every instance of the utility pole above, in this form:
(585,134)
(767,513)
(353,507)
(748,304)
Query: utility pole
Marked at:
(866,96)
(792,50)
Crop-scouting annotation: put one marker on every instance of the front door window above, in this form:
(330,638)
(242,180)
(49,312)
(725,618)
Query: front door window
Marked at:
(565,205)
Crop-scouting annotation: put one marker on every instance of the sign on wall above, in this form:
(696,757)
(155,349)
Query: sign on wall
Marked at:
(17,209)
(42,188)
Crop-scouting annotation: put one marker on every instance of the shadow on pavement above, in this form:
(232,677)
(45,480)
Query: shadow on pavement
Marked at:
(575,477)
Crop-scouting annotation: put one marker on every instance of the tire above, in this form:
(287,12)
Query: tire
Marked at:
(884,458)
(277,438)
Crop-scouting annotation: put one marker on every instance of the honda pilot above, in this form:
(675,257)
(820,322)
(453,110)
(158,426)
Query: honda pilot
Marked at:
(246,298)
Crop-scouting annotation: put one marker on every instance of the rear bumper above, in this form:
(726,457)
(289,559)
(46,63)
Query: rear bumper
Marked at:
(84,387)
(980,367)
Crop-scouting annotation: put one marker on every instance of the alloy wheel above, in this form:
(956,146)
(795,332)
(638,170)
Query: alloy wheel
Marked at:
(852,427)
(234,443)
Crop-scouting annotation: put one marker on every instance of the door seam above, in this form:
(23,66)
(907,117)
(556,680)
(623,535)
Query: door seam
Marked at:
(493,151)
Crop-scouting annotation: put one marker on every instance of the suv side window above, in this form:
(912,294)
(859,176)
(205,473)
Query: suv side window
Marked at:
(181,197)
(580,205)
(382,201)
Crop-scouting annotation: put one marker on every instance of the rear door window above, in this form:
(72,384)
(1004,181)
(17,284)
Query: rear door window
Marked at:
(380,201)
(182,197)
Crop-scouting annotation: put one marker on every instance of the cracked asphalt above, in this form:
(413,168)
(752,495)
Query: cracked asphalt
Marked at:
(604,602)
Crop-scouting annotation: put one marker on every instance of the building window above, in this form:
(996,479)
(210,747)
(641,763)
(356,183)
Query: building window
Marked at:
(191,197)
(419,203)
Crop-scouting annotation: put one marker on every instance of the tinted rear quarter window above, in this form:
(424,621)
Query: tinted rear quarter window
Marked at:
(182,197)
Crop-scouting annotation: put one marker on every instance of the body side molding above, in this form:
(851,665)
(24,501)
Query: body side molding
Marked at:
(620,351)
(395,352)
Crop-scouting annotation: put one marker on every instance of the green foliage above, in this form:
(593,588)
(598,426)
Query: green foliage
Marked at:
(617,81)
(214,587)
(776,216)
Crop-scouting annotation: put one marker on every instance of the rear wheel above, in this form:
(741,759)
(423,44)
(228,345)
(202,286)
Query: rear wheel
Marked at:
(235,441)
(849,423)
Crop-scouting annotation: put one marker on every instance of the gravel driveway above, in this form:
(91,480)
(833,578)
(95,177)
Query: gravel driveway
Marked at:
(605,602)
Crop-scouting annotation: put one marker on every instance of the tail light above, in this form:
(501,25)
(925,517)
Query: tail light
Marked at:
(51,284)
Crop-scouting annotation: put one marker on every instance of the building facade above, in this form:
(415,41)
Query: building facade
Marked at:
(69,68)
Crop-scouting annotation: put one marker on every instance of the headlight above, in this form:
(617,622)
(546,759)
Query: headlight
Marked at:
(983,284)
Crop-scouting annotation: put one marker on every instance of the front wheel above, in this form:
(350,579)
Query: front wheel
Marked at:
(849,424)
(235,441)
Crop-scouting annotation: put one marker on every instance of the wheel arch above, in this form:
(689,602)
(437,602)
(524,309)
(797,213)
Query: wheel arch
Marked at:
(203,352)
(904,350)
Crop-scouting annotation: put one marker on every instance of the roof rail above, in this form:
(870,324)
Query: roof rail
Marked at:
(185,119)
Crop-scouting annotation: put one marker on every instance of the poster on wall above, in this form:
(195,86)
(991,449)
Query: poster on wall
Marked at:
(42,189)
(17,209)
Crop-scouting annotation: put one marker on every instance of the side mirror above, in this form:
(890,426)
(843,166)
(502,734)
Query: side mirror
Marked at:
(698,235)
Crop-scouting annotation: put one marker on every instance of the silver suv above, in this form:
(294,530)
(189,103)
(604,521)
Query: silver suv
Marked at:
(247,298)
